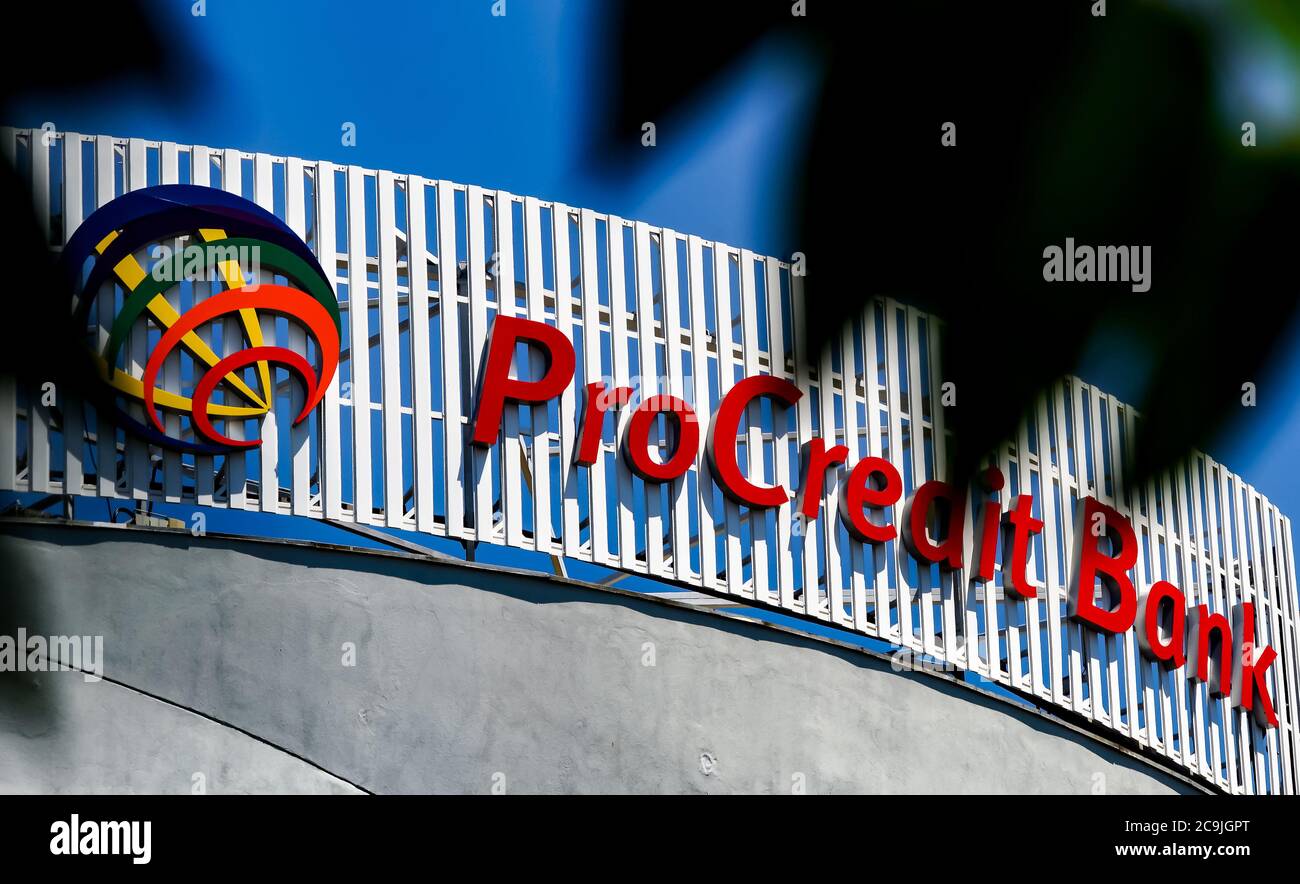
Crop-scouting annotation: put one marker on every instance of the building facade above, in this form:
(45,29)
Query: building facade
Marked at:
(425,271)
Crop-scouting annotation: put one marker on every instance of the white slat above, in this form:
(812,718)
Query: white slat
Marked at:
(137,452)
(295,215)
(727,376)
(453,429)
(204,464)
(269,450)
(875,438)
(780,438)
(543,529)
(627,530)
(921,471)
(74,423)
(602,552)
(169,173)
(38,415)
(233,340)
(8,386)
(807,603)
(418,278)
(571,514)
(513,498)
(359,347)
(856,589)
(478,263)
(106,432)
(390,351)
(649,386)
(330,460)
(906,636)
(754,450)
(708,515)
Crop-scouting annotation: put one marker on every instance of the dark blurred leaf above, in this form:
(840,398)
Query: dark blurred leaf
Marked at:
(1068,125)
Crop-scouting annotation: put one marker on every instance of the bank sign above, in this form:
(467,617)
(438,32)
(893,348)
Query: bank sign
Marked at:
(1220,653)
(308,339)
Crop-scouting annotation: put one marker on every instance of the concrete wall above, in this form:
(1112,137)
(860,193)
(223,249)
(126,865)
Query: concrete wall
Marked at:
(60,734)
(225,656)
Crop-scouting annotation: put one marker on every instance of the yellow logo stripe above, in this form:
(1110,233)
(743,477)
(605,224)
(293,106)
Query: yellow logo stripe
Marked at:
(131,274)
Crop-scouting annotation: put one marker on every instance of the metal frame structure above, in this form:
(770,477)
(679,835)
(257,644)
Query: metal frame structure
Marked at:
(664,312)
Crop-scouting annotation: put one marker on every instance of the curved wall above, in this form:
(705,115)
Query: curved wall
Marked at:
(225,656)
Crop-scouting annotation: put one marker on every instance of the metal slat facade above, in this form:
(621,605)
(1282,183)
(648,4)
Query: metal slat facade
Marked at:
(421,267)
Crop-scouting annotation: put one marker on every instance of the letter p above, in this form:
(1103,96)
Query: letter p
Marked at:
(497,386)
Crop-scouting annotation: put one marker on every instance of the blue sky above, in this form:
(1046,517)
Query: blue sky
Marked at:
(448,90)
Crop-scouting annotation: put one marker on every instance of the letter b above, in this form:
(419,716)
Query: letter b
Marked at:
(1091,565)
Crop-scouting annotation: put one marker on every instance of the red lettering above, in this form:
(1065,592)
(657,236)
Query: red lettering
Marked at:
(952,517)
(816,460)
(1167,645)
(636,441)
(721,444)
(498,386)
(1021,524)
(1249,668)
(1202,626)
(988,527)
(593,419)
(1091,565)
(859,493)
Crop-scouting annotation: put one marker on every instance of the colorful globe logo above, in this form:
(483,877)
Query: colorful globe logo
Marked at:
(140,251)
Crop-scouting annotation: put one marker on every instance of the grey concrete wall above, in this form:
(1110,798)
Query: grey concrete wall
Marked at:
(61,734)
(469,677)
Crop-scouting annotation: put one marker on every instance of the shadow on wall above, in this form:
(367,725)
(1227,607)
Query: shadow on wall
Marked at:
(100,46)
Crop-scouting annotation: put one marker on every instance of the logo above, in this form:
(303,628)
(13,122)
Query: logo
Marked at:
(164,273)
